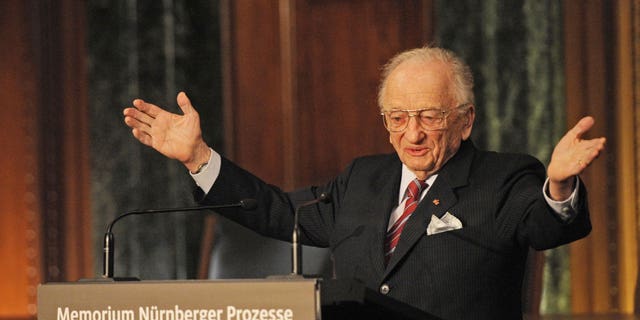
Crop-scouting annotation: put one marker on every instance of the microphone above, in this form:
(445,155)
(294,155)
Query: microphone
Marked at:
(296,247)
(109,249)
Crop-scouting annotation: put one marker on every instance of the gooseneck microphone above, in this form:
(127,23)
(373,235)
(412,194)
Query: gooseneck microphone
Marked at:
(109,249)
(296,247)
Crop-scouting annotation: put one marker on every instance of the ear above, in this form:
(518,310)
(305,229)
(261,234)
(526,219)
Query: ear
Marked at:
(467,122)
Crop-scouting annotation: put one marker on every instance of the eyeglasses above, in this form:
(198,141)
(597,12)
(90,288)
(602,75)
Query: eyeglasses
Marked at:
(431,119)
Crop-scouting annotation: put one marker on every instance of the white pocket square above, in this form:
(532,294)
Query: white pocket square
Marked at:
(448,222)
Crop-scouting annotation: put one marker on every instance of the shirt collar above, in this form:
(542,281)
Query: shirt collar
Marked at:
(407,177)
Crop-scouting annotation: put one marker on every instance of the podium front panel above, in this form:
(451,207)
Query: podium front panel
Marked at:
(181,300)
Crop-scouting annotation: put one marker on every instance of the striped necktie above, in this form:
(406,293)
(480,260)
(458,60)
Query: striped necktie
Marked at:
(393,235)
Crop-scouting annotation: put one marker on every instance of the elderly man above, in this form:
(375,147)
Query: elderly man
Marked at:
(439,225)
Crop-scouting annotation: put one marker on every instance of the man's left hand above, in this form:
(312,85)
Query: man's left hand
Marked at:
(571,156)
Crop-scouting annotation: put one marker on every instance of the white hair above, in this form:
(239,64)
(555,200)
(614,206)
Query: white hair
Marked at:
(461,77)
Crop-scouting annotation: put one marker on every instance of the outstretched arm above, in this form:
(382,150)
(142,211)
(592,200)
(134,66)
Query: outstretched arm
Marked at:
(175,136)
(571,156)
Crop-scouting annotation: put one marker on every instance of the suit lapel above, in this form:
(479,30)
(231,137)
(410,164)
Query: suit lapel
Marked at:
(440,198)
(385,189)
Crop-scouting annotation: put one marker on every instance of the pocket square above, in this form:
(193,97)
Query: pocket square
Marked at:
(448,222)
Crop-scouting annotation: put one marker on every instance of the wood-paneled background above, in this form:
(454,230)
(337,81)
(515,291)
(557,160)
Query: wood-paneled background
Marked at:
(288,100)
(598,61)
(308,99)
(44,187)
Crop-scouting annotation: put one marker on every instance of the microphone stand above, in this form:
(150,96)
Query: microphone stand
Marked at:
(109,249)
(296,246)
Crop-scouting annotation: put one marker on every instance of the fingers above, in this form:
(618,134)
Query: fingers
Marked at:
(146,112)
(142,115)
(136,118)
(593,148)
(588,151)
(142,137)
(573,154)
(148,108)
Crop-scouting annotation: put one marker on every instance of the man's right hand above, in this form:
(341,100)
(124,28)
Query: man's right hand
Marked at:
(175,136)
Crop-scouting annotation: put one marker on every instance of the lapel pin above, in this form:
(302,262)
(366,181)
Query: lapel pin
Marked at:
(436,201)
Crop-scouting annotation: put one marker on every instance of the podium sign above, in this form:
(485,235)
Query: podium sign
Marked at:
(181,300)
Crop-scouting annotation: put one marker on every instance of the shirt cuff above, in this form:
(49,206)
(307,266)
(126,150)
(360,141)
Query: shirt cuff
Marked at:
(209,173)
(566,209)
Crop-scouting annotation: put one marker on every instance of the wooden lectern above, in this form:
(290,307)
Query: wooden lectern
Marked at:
(263,299)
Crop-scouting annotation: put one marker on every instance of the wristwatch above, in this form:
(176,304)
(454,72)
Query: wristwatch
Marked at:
(200,168)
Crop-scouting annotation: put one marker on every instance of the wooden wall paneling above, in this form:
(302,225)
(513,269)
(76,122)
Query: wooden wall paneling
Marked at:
(636,105)
(341,47)
(44,196)
(64,140)
(635,26)
(288,52)
(626,158)
(78,249)
(600,96)
(302,77)
(581,299)
(20,230)
(589,92)
(254,136)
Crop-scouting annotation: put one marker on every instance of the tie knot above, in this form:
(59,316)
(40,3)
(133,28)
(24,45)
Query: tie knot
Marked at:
(414,188)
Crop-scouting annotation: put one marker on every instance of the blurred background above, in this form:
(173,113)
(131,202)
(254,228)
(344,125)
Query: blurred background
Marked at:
(287,89)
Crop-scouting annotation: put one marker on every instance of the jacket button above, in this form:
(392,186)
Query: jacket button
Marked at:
(384,289)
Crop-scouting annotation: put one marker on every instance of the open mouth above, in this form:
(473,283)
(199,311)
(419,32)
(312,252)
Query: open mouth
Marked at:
(416,152)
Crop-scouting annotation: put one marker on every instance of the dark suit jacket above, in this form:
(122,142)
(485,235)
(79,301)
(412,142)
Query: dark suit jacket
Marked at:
(472,273)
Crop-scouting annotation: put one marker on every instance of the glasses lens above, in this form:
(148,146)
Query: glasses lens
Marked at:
(429,119)
(432,119)
(396,120)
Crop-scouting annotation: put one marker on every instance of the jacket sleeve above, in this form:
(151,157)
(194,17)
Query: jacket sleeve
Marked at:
(274,214)
(538,225)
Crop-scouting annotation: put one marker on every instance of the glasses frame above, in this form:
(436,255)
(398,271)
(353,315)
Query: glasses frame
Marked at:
(413,113)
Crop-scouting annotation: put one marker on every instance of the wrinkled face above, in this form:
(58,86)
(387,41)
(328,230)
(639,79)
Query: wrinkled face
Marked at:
(415,85)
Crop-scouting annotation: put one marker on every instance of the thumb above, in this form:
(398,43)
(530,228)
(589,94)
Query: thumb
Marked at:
(583,126)
(184,103)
